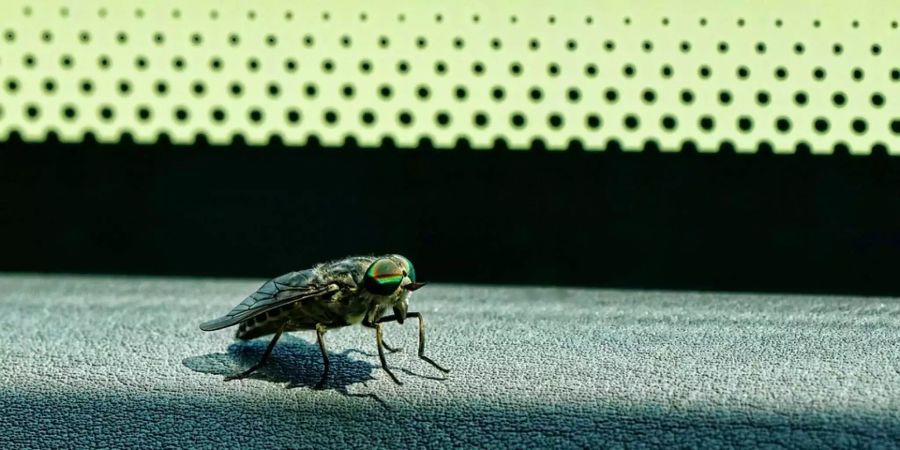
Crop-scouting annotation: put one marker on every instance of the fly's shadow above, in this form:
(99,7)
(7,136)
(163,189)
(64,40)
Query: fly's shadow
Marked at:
(295,362)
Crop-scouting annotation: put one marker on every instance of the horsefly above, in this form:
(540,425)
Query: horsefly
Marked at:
(358,289)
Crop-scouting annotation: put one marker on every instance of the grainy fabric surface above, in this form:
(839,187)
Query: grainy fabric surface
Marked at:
(120,362)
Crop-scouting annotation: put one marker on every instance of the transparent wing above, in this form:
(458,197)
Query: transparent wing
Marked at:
(288,288)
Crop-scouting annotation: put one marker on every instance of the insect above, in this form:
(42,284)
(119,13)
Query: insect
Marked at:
(358,289)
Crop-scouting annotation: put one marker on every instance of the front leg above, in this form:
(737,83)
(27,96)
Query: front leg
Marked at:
(379,343)
(387,347)
(421,337)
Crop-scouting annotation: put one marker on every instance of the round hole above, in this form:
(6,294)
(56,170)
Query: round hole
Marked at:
(198,88)
(12,85)
(498,93)
(573,94)
(515,69)
(819,73)
(687,97)
(858,74)
(32,111)
(367,117)
(536,94)
(311,90)
(666,71)
(590,70)
(274,90)
(403,67)
(365,66)
(611,95)
(704,71)
(331,117)
(781,73)
(442,118)
(49,86)
(517,120)
(440,67)
(555,121)
(478,68)
(421,42)
(725,97)
(707,123)
(423,92)
(859,126)
(839,99)
(106,113)
(218,115)
(253,64)
(821,125)
(745,123)
(648,96)
(293,116)
(347,91)
(760,47)
(162,88)
(144,114)
(895,126)
(460,92)
(405,118)
(385,91)
(592,121)
(87,87)
(801,98)
(480,119)
(181,114)
(877,100)
(609,46)
(669,123)
(255,115)
(783,124)
(290,65)
(762,97)
(628,70)
(743,72)
(236,89)
(553,69)
(124,87)
(69,112)
(631,122)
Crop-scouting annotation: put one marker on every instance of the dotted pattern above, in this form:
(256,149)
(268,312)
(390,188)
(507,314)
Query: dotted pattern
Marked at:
(802,75)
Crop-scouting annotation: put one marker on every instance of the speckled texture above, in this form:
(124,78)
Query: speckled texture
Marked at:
(94,361)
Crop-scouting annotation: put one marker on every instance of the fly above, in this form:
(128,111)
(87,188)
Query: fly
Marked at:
(358,289)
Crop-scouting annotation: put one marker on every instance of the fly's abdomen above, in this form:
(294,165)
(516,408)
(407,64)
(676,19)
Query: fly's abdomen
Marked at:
(264,324)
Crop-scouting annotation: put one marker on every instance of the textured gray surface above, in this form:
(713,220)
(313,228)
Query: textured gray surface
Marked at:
(93,361)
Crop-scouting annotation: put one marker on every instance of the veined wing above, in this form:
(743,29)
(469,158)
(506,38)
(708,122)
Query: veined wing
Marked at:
(286,289)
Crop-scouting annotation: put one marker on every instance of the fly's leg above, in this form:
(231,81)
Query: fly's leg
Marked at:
(380,344)
(421,338)
(320,337)
(387,347)
(262,360)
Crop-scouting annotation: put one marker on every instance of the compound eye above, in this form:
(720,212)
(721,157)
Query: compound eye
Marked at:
(383,277)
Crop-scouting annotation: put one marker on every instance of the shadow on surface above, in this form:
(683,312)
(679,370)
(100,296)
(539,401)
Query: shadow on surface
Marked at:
(294,361)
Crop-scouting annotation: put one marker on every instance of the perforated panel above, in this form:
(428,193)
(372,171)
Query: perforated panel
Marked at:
(821,74)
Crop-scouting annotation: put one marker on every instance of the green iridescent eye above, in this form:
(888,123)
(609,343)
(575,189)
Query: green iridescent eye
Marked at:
(383,277)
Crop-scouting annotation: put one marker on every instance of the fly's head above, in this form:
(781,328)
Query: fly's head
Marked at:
(392,278)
